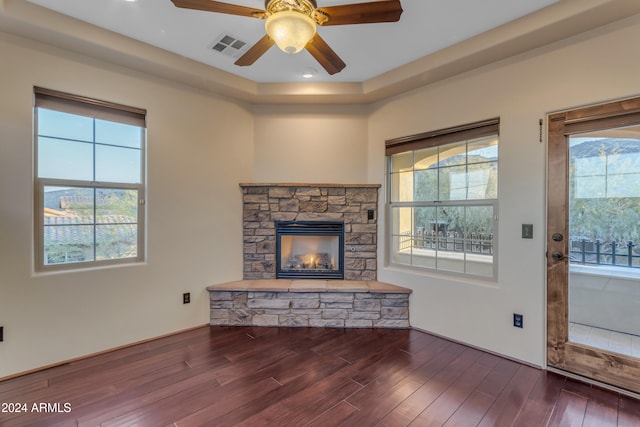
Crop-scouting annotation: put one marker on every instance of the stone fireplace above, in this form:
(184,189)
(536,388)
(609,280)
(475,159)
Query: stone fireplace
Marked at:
(296,232)
(353,207)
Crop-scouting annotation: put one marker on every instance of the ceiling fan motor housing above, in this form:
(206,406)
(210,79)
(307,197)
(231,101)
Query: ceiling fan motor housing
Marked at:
(292,2)
(306,7)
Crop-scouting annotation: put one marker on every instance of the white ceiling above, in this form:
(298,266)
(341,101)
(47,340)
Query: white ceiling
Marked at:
(369,50)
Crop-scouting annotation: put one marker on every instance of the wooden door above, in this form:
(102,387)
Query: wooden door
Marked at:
(621,370)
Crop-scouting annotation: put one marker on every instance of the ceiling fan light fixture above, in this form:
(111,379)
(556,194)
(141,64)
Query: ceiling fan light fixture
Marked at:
(290,30)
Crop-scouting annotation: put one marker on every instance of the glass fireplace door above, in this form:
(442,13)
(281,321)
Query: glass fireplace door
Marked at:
(309,250)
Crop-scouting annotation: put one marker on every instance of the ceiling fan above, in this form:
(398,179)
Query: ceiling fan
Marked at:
(291,24)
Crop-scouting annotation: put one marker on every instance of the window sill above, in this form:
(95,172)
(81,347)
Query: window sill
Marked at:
(451,276)
(477,266)
(91,268)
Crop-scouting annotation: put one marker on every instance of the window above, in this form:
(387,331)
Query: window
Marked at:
(442,199)
(89,181)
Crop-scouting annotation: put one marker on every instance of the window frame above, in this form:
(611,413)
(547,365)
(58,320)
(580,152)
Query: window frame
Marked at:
(96,109)
(432,139)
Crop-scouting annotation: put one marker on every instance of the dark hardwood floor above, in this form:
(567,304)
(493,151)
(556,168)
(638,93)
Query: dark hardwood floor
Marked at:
(247,376)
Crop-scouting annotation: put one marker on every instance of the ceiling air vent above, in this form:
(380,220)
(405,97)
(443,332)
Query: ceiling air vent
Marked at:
(230,45)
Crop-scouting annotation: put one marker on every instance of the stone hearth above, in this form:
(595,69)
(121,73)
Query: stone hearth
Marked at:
(354,205)
(310,303)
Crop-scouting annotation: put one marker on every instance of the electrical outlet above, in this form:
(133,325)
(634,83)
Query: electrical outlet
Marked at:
(518,320)
(186,298)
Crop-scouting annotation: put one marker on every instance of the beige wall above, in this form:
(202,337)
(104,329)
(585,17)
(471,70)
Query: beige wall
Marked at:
(199,149)
(318,144)
(600,66)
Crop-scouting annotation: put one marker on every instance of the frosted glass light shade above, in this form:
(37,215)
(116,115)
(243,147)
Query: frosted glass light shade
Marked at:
(290,30)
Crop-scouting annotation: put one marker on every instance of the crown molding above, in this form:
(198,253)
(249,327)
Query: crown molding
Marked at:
(559,21)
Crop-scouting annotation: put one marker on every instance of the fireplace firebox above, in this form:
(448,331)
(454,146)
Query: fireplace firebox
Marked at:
(309,250)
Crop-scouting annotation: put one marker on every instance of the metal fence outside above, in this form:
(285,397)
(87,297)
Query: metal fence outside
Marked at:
(581,251)
(475,243)
(598,252)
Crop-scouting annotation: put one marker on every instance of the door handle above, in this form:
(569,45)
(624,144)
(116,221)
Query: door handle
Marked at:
(558,256)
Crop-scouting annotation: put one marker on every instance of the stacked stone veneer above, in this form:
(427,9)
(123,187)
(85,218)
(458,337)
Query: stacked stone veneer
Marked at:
(302,308)
(263,204)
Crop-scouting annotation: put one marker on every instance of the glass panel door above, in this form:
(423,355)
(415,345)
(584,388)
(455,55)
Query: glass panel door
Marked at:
(604,239)
(593,227)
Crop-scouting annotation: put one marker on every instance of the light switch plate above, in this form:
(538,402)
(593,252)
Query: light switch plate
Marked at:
(527,231)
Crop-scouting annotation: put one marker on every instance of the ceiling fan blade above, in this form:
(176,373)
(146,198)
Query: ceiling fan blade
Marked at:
(362,13)
(321,51)
(216,6)
(255,52)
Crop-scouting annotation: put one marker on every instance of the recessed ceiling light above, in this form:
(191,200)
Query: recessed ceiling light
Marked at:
(308,73)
